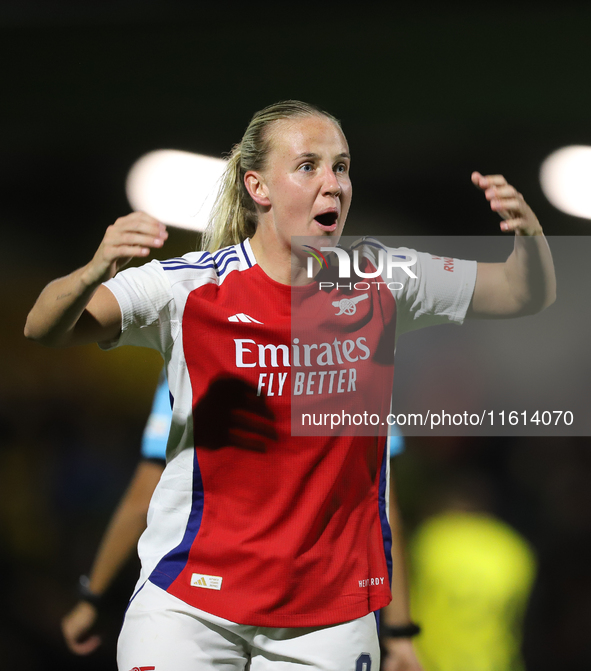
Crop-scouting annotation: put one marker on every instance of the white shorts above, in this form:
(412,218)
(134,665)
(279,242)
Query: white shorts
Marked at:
(163,633)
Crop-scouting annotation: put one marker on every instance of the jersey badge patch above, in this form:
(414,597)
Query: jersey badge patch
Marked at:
(348,306)
(206,581)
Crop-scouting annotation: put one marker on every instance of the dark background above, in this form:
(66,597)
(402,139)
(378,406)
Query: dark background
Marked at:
(426,95)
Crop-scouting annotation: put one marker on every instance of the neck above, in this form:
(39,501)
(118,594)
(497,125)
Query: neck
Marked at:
(277,259)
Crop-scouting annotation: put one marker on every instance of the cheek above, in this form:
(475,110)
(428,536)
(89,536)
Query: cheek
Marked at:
(293,198)
(347,194)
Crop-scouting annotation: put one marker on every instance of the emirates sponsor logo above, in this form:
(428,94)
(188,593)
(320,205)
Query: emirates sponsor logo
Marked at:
(322,357)
(250,354)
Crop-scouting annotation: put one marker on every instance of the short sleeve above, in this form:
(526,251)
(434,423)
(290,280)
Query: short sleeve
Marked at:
(148,315)
(440,293)
(428,289)
(157,428)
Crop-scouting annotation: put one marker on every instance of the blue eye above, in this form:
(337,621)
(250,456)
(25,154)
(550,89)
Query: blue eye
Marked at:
(306,167)
(341,168)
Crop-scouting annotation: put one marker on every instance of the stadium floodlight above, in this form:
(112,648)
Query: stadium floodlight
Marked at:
(566,180)
(176,187)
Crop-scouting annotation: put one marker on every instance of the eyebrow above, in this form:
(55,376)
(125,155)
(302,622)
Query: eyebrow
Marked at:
(313,155)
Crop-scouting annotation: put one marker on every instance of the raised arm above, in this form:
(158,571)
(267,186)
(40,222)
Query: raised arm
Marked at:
(76,309)
(525,283)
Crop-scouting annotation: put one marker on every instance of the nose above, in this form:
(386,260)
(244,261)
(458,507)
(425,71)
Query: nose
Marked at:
(332,186)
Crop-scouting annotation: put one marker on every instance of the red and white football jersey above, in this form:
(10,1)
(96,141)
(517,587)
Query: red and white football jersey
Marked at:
(293,532)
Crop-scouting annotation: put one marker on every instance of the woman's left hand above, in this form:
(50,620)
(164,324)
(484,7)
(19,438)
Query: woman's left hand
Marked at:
(504,199)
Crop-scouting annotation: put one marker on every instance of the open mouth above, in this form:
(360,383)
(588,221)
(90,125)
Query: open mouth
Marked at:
(327,221)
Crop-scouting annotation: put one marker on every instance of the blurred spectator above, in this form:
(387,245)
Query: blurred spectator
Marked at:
(471,576)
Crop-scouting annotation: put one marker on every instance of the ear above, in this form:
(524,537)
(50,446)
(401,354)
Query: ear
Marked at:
(256,187)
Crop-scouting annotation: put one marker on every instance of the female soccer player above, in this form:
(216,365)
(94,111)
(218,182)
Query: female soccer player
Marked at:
(264,550)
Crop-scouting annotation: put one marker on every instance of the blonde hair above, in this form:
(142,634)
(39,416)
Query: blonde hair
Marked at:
(233,217)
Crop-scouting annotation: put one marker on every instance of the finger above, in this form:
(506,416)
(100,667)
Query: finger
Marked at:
(129,245)
(125,252)
(115,237)
(141,223)
(494,180)
(151,228)
(509,225)
(139,239)
(85,647)
(136,218)
(484,181)
(506,206)
(506,191)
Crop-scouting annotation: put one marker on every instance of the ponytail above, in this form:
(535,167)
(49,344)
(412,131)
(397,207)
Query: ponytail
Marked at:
(233,216)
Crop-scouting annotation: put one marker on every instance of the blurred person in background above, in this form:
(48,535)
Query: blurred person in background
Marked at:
(471,578)
(124,529)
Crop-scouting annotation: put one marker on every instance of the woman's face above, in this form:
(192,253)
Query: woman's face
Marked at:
(306,180)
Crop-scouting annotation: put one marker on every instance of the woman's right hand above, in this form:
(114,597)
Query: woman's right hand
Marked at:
(76,309)
(132,236)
